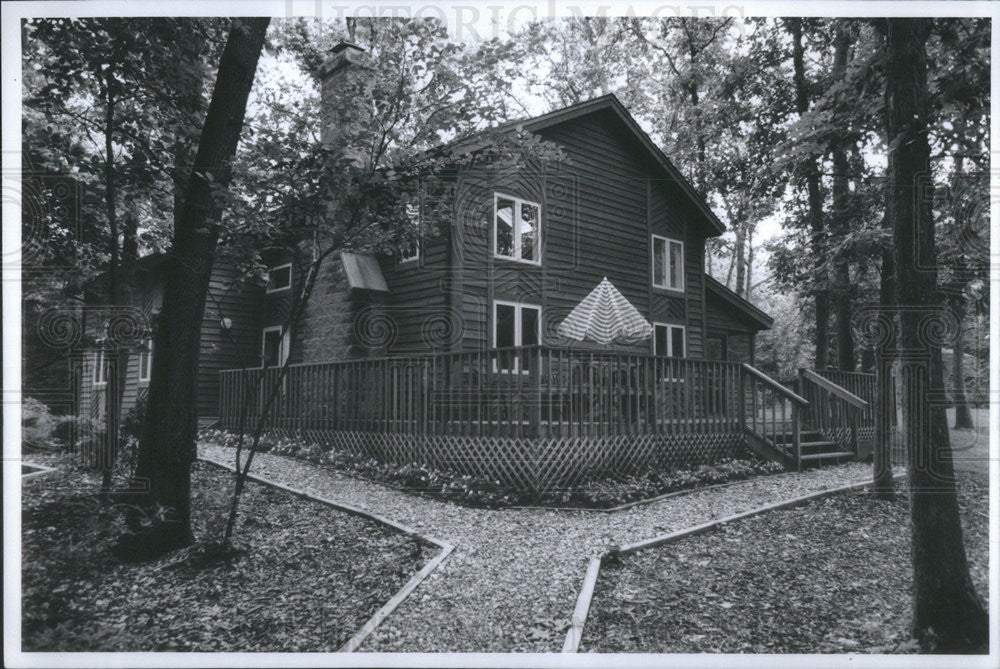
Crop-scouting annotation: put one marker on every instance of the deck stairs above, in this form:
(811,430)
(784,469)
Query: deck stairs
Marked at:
(816,450)
(814,425)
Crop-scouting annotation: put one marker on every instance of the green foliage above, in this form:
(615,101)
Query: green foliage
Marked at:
(482,492)
(37,424)
(304,577)
(72,430)
(132,423)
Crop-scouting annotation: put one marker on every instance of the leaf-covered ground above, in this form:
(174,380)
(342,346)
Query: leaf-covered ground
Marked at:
(833,576)
(512,581)
(306,579)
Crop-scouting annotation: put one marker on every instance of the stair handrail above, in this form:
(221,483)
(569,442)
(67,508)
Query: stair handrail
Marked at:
(790,394)
(819,417)
(797,402)
(833,388)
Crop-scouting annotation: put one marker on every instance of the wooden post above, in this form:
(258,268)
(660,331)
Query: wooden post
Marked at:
(796,435)
(742,409)
(854,429)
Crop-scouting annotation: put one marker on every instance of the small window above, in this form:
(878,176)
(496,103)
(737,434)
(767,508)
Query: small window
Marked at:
(274,347)
(515,325)
(668,263)
(279,278)
(146,360)
(100,366)
(410,250)
(516,229)
(668,340)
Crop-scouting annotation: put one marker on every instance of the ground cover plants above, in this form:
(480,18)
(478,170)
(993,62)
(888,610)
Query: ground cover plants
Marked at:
(300,576)
(478,491)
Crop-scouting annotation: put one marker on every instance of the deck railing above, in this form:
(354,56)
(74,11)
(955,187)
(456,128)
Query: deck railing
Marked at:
(773,412)
(834,411)
(533,391)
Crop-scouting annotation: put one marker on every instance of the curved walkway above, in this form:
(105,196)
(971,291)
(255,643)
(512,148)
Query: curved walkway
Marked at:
(511,583)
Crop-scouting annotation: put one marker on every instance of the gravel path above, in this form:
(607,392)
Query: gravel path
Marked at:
(512,581)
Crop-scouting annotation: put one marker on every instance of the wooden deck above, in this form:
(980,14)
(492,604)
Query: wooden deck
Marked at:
(535,417)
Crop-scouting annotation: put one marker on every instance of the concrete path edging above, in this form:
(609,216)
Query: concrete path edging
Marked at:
(42,469)
(372,624)
(575,634)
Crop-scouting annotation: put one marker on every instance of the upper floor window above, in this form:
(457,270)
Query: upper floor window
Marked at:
(516,228)
(668,340)
(279,278)
(668,263)
(146,360)
(410,249)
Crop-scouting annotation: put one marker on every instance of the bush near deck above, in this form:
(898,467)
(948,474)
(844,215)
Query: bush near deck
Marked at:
(482,492)
(305,577)
(833,576)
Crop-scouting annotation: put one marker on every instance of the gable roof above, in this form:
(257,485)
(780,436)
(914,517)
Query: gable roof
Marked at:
(608,102)
(719,290)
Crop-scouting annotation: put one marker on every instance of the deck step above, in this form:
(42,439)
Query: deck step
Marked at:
(821,446)
(804,435)
(827,457)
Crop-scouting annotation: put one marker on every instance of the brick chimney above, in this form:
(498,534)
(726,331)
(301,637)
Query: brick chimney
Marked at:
(344,58)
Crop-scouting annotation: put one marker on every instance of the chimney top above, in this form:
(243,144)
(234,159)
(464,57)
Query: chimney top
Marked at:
(342,45)
(340,56)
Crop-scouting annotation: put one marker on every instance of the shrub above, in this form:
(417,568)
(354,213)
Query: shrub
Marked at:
(478,491)
(131,427)
(37,424)
(70,430)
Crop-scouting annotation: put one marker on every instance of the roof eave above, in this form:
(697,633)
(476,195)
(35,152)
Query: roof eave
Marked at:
(743,305)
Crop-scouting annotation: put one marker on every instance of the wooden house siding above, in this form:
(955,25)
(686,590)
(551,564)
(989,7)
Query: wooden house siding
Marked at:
(227,298)
(598,212)
(417,303)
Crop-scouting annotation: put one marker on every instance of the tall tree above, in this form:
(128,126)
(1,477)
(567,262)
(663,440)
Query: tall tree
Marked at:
(167,446)
(115,86)
(373,139)
(840,221)
(948,615)
(811,174)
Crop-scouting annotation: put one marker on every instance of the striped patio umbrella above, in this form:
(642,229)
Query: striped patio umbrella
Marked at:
(605,316)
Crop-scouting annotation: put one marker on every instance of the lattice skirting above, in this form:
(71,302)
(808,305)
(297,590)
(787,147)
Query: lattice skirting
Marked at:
(534,464)
(866,439)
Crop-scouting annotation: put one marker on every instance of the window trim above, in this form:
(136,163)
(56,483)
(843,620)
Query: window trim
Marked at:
(666,262)
(283,345)
(670,341)
(518,307)
(147,351)
(416,256)
(518,201)
(99,379)
(275,268)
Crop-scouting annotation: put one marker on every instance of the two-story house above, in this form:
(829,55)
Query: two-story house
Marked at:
(524,248)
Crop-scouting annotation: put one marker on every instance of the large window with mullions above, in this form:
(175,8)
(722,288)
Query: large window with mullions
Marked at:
(516,229)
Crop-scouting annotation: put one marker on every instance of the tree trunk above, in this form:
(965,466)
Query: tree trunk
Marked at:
(948,615)
(885,399)
(815,200)
(739,252)
(963,414)
(840,224)
(167,447)
(115,380)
